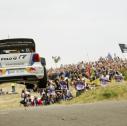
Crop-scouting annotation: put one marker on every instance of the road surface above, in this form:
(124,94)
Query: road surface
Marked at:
(94,114)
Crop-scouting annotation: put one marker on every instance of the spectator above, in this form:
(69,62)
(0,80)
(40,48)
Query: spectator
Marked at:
(104,80)
(79,86)
(118,77)
(63,84)
(23,98)
(35,101)
(13,87)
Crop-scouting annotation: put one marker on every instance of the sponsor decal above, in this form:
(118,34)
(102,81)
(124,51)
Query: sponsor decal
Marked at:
(14,58)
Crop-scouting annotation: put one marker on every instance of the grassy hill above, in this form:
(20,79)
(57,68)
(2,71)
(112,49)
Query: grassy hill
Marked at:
(114,91)
(10,100)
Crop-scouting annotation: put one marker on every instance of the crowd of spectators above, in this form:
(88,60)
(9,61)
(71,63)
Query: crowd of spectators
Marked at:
(52,94)
(81,77)
(105,69)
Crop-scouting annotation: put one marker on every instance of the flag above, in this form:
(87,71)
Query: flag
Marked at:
(109,56)
(123,48)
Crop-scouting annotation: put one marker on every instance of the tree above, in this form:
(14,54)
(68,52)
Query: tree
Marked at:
(56,59)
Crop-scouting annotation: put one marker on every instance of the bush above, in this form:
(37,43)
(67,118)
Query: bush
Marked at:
(109,94)
(124,72)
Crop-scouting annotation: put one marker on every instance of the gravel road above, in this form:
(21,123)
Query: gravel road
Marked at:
(93,114)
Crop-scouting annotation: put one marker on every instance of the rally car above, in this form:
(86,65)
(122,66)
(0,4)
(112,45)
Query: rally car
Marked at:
(19,61)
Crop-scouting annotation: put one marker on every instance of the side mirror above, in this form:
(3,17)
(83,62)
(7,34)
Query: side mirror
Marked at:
(43,62)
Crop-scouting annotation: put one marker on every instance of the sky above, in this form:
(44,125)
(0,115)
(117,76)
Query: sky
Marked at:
(75,30)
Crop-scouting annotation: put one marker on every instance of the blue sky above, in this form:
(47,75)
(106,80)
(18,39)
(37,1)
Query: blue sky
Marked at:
(75,30)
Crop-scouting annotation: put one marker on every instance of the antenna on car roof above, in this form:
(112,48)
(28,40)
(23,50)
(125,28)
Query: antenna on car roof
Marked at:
(8,36)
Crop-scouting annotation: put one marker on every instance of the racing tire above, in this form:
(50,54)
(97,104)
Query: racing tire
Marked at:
(42,83)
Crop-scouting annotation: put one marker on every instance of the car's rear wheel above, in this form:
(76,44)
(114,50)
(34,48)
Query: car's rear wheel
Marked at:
(42,83)
(29,86)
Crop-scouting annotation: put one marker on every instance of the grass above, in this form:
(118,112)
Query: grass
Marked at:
(10,100)
(113,91)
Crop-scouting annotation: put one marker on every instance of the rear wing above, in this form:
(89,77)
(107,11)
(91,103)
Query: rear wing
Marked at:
(17,43)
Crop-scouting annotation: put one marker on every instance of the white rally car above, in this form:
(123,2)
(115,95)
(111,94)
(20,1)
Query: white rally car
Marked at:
(20,62)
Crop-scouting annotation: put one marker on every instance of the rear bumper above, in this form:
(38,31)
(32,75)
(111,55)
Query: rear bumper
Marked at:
(22,74)
(19,78)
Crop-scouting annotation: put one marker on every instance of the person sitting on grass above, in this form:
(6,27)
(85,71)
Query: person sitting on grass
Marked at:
(118,77)
(79,86)
(104,79)
(23,98)
(35,101)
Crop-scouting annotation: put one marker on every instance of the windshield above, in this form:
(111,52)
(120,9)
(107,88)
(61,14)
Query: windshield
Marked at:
(22,50)
(17,46)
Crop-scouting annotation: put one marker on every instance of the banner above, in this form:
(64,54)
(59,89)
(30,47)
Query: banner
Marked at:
(123,48)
